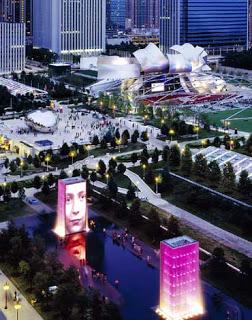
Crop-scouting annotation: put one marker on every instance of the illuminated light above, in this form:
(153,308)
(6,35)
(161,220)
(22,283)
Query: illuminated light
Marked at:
(180,288)
(76,245)
(72,213)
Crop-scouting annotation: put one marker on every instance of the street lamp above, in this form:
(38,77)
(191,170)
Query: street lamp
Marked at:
(6,287)
(47,159)
(145,119)
(17,306)
(157,181)
(203,143)
(118,142)
(171,133)
(144,168)
(114,109)
(196,130)
(88,149)
(72,155)
(231,144)
(107,178)
(21,168)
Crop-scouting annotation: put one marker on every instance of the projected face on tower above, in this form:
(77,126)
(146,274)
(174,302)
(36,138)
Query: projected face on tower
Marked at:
(72,207)
(75,208)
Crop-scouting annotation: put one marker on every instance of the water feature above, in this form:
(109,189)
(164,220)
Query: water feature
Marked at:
(138,283)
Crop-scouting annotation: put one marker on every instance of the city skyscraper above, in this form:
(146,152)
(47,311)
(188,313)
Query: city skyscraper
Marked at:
(13,11)
(70,27)
(12,47)
(143,13)
(116,15)
(211,24)
(180,288)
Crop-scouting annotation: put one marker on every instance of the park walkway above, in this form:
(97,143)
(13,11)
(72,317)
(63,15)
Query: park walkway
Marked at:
(27,312)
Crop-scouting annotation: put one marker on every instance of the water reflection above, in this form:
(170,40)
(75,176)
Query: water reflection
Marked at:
(75,244)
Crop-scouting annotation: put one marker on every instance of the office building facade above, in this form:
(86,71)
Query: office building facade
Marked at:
(116,15)
(143,13)
(180,288)
(215,25)
(70,27)
(12,48)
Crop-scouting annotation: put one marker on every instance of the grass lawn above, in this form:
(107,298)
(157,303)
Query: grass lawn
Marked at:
(50,200)
(130,147)
(243,124)
(14,208)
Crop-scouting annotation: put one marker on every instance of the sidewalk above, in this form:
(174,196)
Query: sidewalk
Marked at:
(27,312)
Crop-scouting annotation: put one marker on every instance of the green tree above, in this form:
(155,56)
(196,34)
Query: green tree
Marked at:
(200,167)
(95,141)
(186,161)
(29,159)
(76,173)
(121,168)
(104,144)
(37,182)
(101,168)
(93,176)
(6,163)
(144,136)
(51,180)
(228,176)
(21,193)
(165,154)
(174,155)
(134,158)
(46,188)
(155,156)
(65,149)
(153,226)
(173,227)
(249,144)
(214,172)
(112,164)
(113,188)
(14,187)
(85,172)
(63,174)
(244,184)
(135,215)
(36,162)
(13,166)
(131,193)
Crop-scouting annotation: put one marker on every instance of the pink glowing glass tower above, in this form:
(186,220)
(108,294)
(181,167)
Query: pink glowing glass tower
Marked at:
(180,288)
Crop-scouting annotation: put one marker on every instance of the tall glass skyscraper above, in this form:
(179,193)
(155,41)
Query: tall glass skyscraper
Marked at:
(210,24)
(70,27)
(116,15)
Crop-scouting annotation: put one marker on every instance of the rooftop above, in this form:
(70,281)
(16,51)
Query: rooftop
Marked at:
(179,241)
(72,180)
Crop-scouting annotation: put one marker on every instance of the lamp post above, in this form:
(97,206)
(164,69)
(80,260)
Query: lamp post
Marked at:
(88,149)
(107,178)
(196,130)
(144,168)
(171,133)
(145,119)
(114,109)
(17,306)
(47,159)
(157,181)
(21,168)
(119,141)
(72,155)
(6,287)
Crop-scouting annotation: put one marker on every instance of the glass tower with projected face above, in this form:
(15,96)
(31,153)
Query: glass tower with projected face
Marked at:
(180,288)
(72,207)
